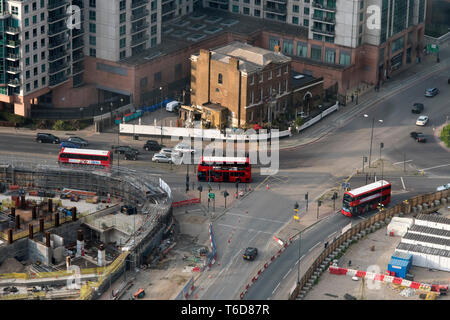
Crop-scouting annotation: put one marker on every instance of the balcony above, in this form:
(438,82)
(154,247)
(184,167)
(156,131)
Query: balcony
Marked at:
(56,68)
(57,56)
(57,41)
(57,17)
(78,32)
(77,44)
(168,8)
(77,57)
(77,69)
(12,30)
(13,43)
(136,41)
(139,15)
(277,1)
(138,3)
(13,70)
(52,5)
(139,28)
(324,19)
(14,82)
(56,30)
(324,7)
(326,32)
(280,11)
(13,57)
(54,82)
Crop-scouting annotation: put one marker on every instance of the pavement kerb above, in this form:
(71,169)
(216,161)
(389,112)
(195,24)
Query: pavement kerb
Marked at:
(368,104)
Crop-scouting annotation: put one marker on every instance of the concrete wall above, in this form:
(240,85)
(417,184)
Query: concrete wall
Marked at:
(37,251)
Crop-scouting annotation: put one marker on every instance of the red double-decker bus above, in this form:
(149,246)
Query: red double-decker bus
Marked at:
(224,169)
(366,198)
(101,158)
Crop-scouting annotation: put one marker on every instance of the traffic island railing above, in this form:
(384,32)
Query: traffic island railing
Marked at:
(425,203)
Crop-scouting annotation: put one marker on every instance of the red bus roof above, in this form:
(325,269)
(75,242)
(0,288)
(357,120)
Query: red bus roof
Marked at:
(368,187)
(225,159)
(85,151)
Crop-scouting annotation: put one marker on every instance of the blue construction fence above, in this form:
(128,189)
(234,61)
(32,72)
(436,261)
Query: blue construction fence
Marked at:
(131,116)
(155,106)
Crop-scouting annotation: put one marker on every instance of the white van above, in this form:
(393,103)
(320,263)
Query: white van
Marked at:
(173,106)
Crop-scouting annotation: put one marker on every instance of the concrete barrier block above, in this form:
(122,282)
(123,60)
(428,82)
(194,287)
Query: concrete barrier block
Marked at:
(300,297)
(414,209)
(448,199)
(444,201)
(419,207)
(302,292)
(437,202)
(313,277)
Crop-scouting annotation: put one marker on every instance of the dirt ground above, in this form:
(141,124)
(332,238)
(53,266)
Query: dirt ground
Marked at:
(334,287)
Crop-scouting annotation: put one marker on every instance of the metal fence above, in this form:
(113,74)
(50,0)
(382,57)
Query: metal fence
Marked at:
(404,207)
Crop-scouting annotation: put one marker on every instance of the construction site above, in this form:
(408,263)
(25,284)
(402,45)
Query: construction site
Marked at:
(68,233)
(406,259)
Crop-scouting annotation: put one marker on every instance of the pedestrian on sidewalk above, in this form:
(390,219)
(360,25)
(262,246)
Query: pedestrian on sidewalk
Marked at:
(353,97)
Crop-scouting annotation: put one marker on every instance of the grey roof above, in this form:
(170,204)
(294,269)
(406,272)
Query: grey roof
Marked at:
(250,58)
(433,218)
(426,239)
(299,82)
(430,231)
(422,249)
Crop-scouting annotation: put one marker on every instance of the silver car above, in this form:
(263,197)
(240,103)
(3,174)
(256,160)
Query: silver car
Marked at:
(160,157)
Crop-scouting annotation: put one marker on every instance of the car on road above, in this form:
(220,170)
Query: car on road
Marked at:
(168,152)
(160,157)
(182,148)
(417,108)
(82,142)
(68,144)
(250,253)
(152,145)
(123,149)
(130,155)
(422,121)
(418,136)
(444,187)
(47,138)
(431,92)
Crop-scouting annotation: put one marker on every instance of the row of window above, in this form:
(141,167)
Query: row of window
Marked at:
(36,84)
(269,75)
(267,92)
(26,8)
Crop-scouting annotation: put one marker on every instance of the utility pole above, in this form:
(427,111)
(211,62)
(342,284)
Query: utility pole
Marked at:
(225,195)
(319,203)
(306,198)
(371,139)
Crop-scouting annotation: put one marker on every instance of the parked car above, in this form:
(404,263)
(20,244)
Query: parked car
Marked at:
(422,120)
(182,148)
(82,142)
(47,138)
(130,155)
(417,108)
(173,106)
(418,136)
(250,253)
(168,152)
(68,144)
(123,149)
(152,145)
(160,157)
(431,92)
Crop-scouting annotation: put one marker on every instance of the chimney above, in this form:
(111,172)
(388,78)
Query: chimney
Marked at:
(33,213)
(74,213)
(10,236)
(50,205)
(47,239)
(57,219)
(18,222)
(276,48)
(80,243)
(30,231)
(101,256)
(41,225)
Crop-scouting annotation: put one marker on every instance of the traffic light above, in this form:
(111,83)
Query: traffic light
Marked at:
(225,193)
(200,188)
(306,196)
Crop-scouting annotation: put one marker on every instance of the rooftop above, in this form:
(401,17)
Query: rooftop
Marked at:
(205,24)
(300,79)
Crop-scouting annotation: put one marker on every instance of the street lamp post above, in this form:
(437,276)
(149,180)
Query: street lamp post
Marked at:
(371,137)
(101,118)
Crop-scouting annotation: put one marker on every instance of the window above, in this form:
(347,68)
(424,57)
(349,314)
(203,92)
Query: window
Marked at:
(220,79)
(26,8)
(257,13)
(14,10)
(157,76)
(273,42)
(42,3)
(295,8)
(27,74)
(92,40)
(122,43)
(144,82)
(270,75)
(34,19)
(252,97)
(154,30)
(92,52)
(316,53)
(306,10)
(27,61)
(317,36)
(306,22)
(122,5)
(252,79)
(34,6)
(154,5)
(43,81)
(43,68)
(361,16)
(361,5)
(154,17)
(28,87)
(246,11)
(34,33)
(397,44)
(286,69)
(235,9)
(92,3)
(92,15)
(295,20)
(261,77)
(35,71)
(278,72)
(27,35)
(42,16)
(330,56)
(153,42)
(35,58)
(93,28)
(42,55)
(122,54)
(257,2)
(288,47)
(27,22)
(35,46)
(42,29)
(344,58)
(27,48)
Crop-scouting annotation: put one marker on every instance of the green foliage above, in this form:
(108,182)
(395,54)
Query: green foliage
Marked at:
(299,121)
(14,118)
(445,135)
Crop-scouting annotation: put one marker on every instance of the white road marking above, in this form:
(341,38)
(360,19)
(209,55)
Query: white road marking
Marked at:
(253,217)
(361,217)
(312,248)
(287,273)
(403,183)
(402,162)
(444,165)
(276,288)
(234,227)
(332,234)
(300,259)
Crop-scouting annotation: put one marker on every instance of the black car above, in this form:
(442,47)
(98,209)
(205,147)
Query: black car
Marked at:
(250,253)
(82,142)
(418,136)
(417,108)
(47,138)
(152,145)
(123,149)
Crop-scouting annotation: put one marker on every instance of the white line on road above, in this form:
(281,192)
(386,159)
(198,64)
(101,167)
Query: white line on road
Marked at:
(234,227)
(253,217)
(312,248)
(361,218)
(402,162)
(287,273)
(300,259)
(276,288)
(331,235)
(403,183)
(444,165)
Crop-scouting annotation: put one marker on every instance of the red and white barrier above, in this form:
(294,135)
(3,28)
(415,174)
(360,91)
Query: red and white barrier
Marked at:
(278,240)
(379,277)
(190,290)
(266,265)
